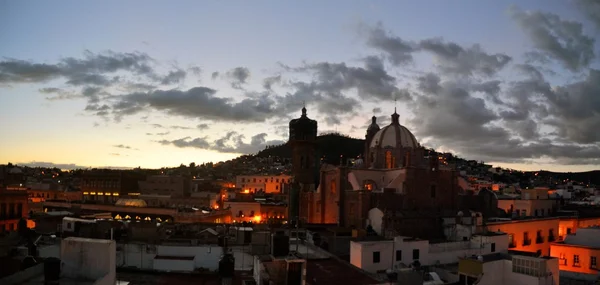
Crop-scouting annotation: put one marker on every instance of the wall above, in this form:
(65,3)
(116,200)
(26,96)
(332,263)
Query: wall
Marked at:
(88,258)
(568,252)
(174,265)
(517,228)
(361,253)
(142,255)
(364,259)
(246,208)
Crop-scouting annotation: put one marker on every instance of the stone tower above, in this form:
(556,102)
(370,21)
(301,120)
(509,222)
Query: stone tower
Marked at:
(371,131)
(303,135)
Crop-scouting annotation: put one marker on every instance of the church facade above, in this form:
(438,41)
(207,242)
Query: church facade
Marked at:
(395,187)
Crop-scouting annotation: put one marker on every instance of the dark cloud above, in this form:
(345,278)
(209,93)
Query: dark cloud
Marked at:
(202,126)
(231,142)
(590,8)
(174,77)
(214,75)
(376,110)
(559,39)
(238,76)
(198,102)
(53,165)
(454,59)
(89,70)
(396,50)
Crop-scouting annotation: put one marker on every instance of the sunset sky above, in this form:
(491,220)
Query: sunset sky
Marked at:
(160,83)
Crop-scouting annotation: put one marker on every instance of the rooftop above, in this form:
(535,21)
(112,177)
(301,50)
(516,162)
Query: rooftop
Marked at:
(331,271)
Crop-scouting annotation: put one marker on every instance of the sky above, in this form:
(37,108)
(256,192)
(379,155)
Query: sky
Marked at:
(160,83)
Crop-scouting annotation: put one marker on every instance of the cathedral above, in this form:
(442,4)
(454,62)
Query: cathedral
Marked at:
(395,187)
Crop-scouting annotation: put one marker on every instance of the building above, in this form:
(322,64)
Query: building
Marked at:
(531,202)
(397,185)
(79,261)
(578,254)
(528,234)
(106,186)
(503,268)
(262,183)
(13,207)
(166,185)
(11,176)
(256,212)
(302,139)
(401,252)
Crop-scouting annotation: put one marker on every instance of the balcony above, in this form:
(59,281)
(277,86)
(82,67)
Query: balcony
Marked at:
(526,242)
(551,238)
(539,239)
(562,261)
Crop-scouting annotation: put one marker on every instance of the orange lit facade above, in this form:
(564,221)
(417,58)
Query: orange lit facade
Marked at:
(255,212)
(532,235)
(258,183)
(13,207)
(576,258)
(570,225)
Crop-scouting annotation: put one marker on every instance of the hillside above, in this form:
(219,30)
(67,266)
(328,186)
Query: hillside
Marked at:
(329,146)
(588,177)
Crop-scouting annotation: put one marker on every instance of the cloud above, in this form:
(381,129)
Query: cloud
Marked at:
(559,39)
(175,76)
(232,142)
(270,81)
(202,126)
(591,9)
(197,102)
(397,50)
(454,59)
(214,75)
(238,76)
(158,134)
(122,146)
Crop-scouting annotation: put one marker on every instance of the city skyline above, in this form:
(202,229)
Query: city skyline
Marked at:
(126,85)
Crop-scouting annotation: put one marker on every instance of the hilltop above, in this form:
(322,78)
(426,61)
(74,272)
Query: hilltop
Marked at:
(329,146)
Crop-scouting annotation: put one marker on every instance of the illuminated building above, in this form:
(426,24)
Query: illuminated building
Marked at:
(529,235)
(578,254)
(13,207)
(262,183)
(107,186)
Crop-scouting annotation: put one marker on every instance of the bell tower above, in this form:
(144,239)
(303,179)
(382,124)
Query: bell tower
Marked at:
(371,131)
(303,135)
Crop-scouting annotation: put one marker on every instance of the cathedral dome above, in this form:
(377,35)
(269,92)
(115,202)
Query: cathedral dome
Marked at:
(394,135)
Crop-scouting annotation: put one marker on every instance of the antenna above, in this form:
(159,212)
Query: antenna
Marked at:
(395,101)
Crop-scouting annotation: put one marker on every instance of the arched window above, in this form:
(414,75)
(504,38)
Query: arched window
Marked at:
(389,160)
(369,185)
(302,162)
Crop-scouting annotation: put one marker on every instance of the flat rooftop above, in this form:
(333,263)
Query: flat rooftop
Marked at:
(331,271)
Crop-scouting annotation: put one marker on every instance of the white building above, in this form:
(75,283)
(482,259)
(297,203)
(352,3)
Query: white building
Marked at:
(373,256)
(501,269)
(82,261)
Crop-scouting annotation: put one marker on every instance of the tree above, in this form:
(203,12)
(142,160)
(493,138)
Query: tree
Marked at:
(192,165)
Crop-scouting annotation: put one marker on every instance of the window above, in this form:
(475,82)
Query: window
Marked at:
(493,247)
(389,160)
(333,186)
(526,240)
(535,213)
(576,260)
(68,226)
(432,191)
(415,254)
(511,241)
(542,212)
(376,257)
(593,262)
(568,231)
(562,259)
(398,255)
(551,235)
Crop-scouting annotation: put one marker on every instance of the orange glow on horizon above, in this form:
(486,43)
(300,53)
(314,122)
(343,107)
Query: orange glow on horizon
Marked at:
(257,219)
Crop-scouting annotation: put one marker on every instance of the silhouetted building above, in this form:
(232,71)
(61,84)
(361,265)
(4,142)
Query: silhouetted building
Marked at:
(13,207)
(106,186)
(396,188)
(303,135)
